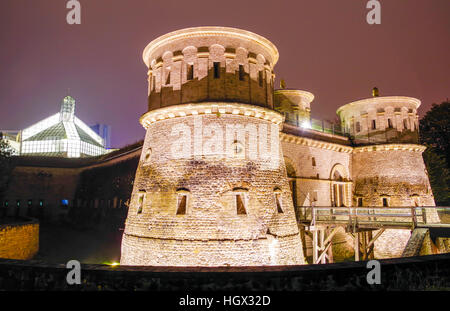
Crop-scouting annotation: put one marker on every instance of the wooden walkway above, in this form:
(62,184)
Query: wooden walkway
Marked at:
(322,223)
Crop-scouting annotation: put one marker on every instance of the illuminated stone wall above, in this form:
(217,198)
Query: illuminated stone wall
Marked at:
(396,173)
(224,201)
(211,232)
(19,240)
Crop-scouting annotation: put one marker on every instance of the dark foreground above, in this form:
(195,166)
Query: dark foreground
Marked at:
(414,273)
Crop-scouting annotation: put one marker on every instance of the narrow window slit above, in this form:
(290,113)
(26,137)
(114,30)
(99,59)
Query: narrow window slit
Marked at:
(240,206)
(216,70)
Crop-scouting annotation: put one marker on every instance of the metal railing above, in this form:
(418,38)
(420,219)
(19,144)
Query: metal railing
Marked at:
(395,216)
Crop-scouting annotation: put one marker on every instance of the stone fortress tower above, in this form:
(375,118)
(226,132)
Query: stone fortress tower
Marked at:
(388,169)
(211,187)
(295,105)
(387,165)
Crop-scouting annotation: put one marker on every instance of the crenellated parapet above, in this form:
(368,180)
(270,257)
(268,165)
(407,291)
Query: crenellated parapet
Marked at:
(210,64)
(390,119)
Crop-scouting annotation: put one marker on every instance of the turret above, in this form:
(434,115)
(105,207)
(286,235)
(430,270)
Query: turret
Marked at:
(389,119)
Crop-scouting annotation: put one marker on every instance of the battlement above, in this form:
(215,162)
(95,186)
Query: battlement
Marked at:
(210,64)
(381,119)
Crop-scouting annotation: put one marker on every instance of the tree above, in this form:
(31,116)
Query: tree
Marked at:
(435,134)
(439,176)
(6,166)
(435,130)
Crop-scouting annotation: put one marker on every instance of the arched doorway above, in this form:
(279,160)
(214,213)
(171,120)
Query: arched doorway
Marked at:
(340,186)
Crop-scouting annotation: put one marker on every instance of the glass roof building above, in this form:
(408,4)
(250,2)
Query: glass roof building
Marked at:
(63,135)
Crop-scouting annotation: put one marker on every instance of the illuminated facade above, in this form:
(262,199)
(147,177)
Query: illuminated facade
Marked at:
(204,197)
(61,134)
(204,194)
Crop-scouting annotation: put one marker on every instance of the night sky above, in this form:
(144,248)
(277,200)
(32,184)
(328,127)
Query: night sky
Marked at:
(326,47)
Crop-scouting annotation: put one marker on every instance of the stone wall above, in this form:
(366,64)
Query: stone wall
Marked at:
(413,273)
(210,230)
(39,191)
(19,239)
(38,186)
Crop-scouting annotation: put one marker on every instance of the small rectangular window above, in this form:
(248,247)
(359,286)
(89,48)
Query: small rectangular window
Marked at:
(385,202)
(167,77)
(18,203)
(260,78)
(390,123)
(241,73)
(374,125)
(182,202)
(216,70)
(240,206)
(140,203)
(190,72)
(358,127)
(41,203)
(313,161)
(360,202)
(278,202)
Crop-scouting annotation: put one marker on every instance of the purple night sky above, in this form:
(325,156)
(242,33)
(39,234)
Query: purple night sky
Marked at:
(326,47)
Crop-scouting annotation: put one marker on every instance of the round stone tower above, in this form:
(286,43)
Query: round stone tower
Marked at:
(295,105)
(390,119)
(387,165)
(211,186)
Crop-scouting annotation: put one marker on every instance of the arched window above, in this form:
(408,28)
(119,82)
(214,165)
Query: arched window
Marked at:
(339,186)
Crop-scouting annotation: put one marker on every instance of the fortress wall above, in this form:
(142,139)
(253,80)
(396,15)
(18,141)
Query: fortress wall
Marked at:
(31,275)
(49,184)
(313,182)
(19,240)
(210,232)
(396,172)
(400,176)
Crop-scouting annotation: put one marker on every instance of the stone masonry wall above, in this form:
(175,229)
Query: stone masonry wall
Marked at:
(19,240)
(211,232)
